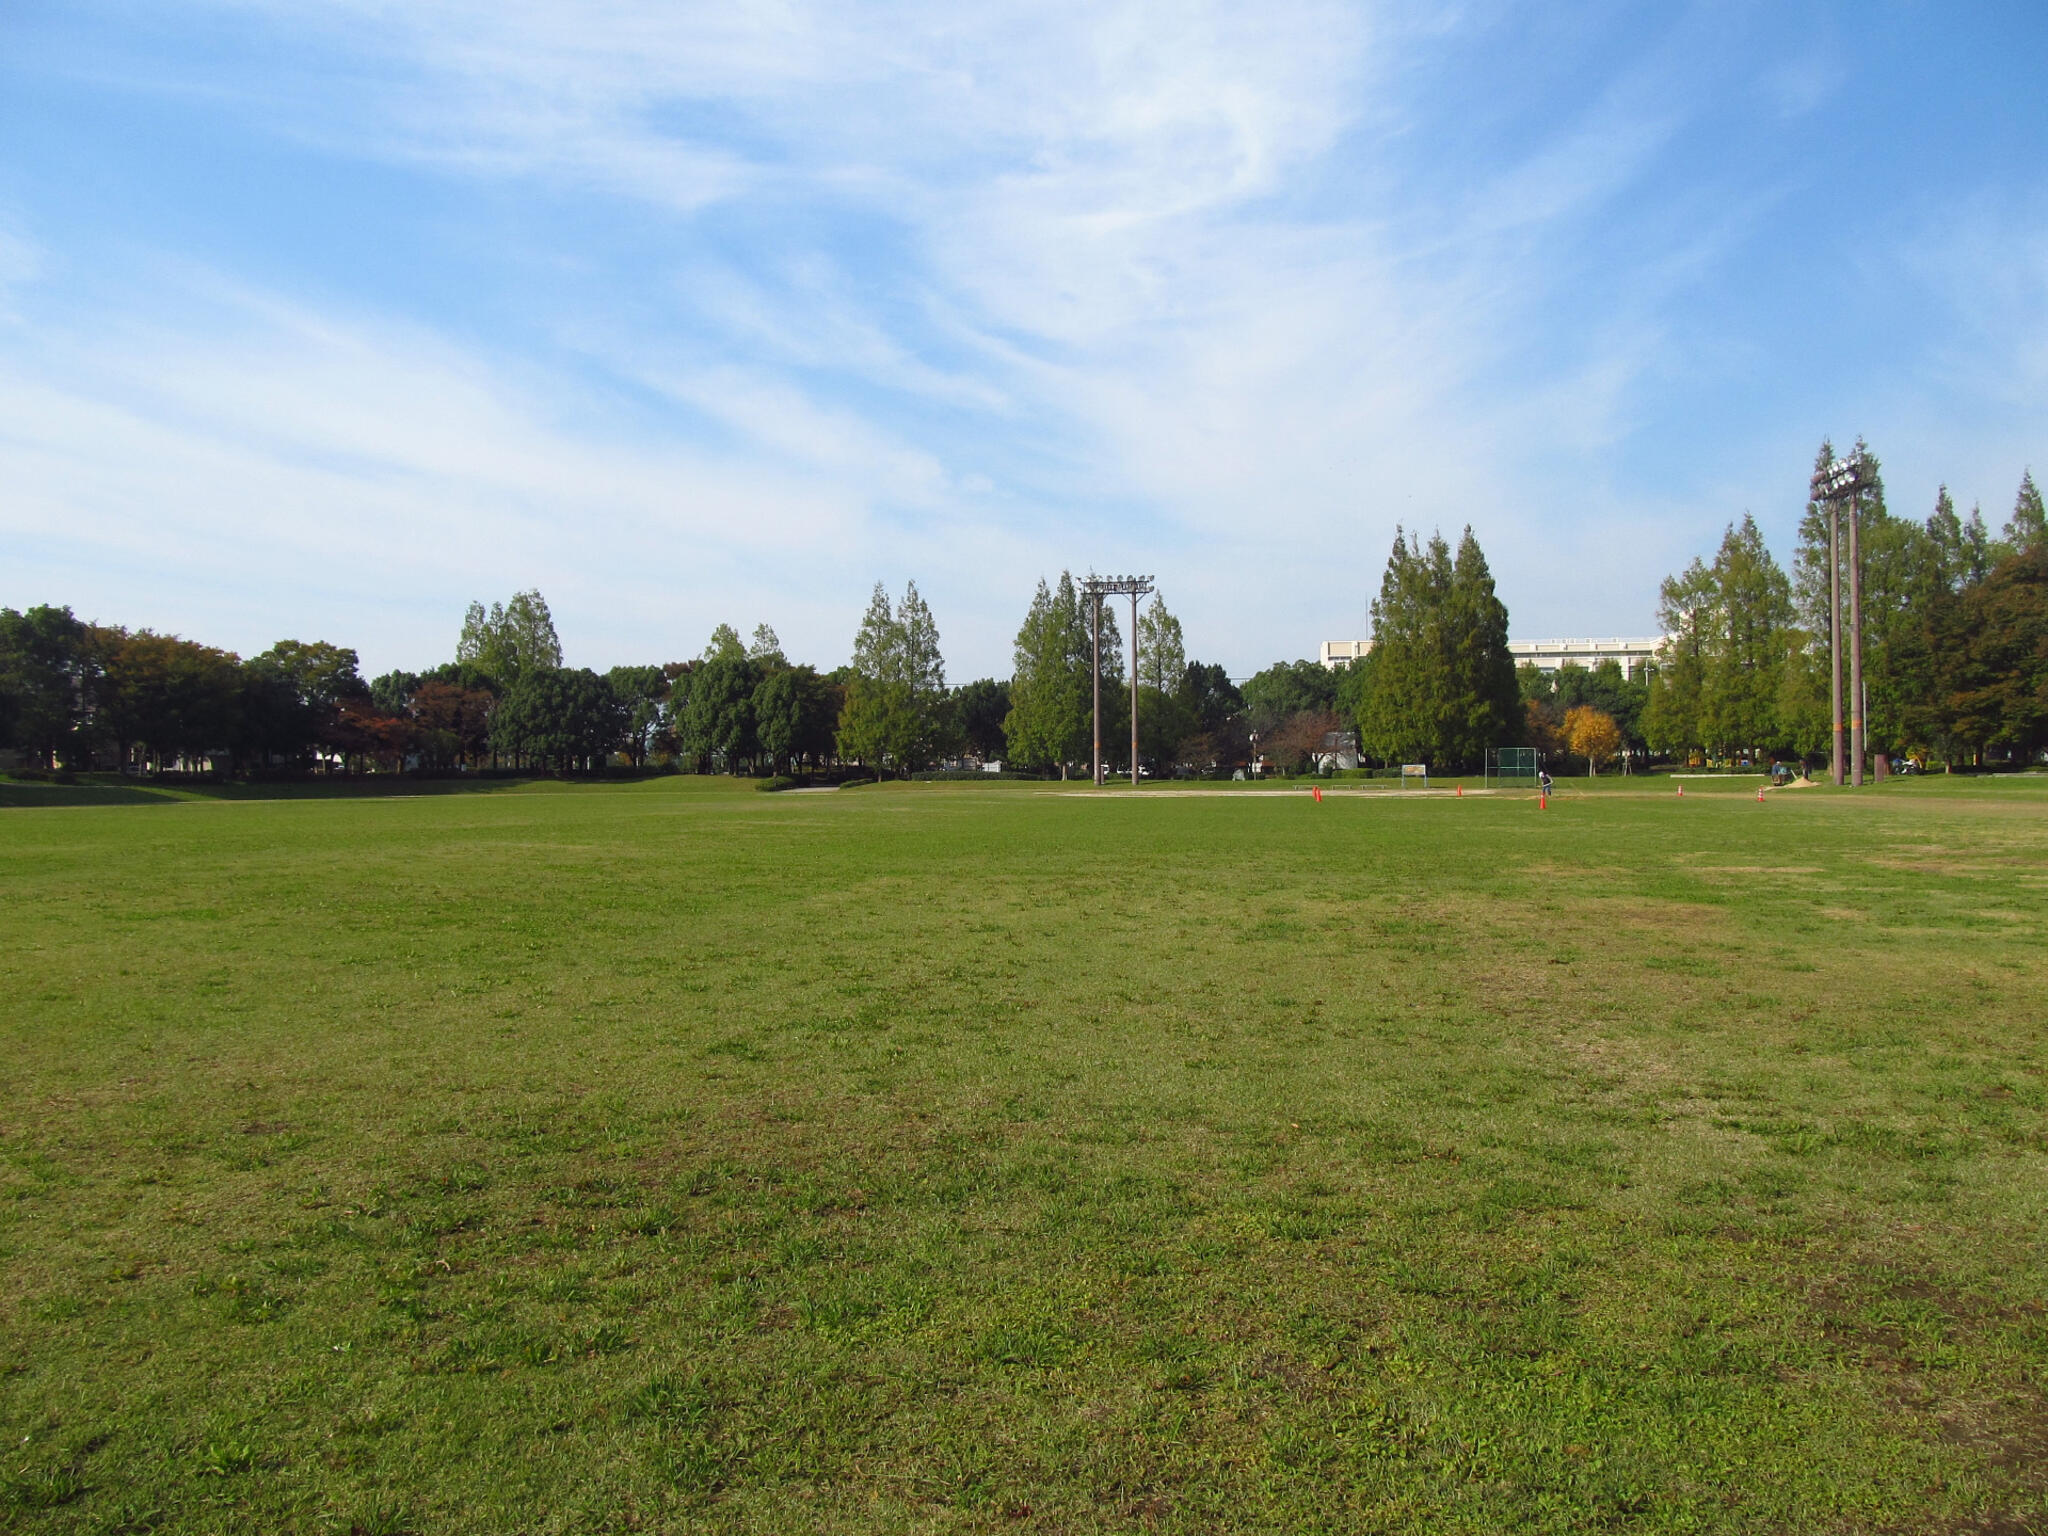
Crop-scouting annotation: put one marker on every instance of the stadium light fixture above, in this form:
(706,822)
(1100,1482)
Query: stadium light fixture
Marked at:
(1097,588)
(1837,482)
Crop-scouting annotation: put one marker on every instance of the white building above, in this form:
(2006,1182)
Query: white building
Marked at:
(1632,656)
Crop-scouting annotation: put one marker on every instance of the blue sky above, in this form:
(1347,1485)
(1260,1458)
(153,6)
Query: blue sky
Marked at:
(321,320)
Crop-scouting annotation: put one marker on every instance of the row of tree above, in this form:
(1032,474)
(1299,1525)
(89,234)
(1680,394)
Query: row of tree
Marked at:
(74,694)
(1956,665)
(1955,637)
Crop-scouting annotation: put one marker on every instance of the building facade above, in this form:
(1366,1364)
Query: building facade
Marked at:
(1633,656)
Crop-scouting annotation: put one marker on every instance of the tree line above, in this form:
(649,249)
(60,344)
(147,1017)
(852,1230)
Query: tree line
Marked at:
(77,695)
(1955,637)
(1956,664)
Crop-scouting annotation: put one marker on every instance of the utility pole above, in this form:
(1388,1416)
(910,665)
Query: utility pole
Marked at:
(1096,588)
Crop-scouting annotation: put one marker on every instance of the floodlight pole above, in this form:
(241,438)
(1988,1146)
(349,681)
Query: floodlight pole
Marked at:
(1855,639)
(1096,669)
(1096,588)
(1134,687)
(1832,483)
(1835,640)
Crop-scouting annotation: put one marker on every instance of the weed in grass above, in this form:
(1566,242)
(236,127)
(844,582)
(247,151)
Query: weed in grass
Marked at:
(44,1489)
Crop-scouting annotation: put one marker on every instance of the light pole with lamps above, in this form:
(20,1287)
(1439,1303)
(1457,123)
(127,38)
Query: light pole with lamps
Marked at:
(1837,481)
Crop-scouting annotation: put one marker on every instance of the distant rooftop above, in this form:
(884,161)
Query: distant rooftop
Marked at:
(1629,653)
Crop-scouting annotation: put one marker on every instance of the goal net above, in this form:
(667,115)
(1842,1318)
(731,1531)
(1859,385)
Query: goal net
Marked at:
(1512,767)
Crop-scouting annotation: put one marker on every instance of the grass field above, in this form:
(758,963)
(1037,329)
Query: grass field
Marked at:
(675,1157)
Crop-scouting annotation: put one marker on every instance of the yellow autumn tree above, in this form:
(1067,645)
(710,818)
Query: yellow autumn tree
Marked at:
(1592,734)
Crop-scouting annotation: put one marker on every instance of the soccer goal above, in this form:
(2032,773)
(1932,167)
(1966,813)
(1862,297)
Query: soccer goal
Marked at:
(1512,767)
(1416,773)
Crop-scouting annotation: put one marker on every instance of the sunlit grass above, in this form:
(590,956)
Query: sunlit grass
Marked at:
(973,1157)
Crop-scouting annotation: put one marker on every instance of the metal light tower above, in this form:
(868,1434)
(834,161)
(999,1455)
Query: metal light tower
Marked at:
(1097,588)
(1838,481)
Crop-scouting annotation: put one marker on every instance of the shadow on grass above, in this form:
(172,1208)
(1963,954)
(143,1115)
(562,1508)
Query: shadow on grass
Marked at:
(108,789)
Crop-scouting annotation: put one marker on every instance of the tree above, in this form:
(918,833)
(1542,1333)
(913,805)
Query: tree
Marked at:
(1753,609)
(454,723)
(1674,717)
(321,679)
(1213,708)
(392,692)
(1048,723)
(794,716)
(1963,547)
(175,698)
(980,708)
(1591,734)
(929,723)
(1286,689)
(766,649)
(560,718)
(643,693)
(1994,649)
(1427,694)
(1210,694)
(2026,530)
(1298,738)
(896,702)
(867,724)
(510,640)
(1483,706)
(674,729)
(1548,697)
(718,720)
(1162,655)
(1804,718)
(49,671)
(725,645)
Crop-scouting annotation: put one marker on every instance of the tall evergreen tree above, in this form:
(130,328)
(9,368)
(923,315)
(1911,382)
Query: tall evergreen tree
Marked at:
(1162,653)
(866,724)
(1404,713)
(2027,528)
(510,640)
(1993,648)
(1675,719)
(724,645)
(1484,700)
(1810,556)
(1048,723)
(928,729)
(1754,607)
(897,711)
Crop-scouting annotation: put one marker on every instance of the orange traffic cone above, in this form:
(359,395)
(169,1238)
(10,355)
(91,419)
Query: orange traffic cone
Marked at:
(1759,794)
(1543,802)
(1461,791)
(1318,793)
(1681,791)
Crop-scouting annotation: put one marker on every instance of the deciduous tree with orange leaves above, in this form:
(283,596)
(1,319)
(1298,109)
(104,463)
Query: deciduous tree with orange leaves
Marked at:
(1592,734)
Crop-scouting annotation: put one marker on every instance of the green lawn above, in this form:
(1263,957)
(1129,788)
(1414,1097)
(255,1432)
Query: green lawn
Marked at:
(669,1156)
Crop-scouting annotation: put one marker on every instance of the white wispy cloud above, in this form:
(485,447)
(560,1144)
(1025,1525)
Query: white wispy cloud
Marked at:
(962,293)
